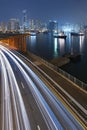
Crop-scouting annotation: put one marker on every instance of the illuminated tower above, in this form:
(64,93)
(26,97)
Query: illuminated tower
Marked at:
(52,26)
(25,21)
(13,25)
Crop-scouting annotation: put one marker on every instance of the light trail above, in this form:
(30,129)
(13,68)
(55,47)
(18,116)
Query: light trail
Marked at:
(63,115)
(47,113)
(54,113)
(21,120)
(6,107)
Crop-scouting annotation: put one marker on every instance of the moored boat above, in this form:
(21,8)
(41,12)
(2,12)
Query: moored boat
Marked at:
(60,35)
(77,33)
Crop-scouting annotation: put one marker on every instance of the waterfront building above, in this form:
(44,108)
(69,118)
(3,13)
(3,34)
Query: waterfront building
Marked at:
(31,24)
(25,25)
(13,25)
(35,25)
(68,27)
(3,27)
(52,26)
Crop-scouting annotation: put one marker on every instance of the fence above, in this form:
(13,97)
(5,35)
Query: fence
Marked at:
(67,75)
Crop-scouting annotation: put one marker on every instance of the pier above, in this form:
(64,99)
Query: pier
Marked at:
(60,61)
(73,57)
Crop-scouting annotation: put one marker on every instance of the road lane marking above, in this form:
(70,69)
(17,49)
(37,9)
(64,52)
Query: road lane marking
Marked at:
(37,63)
(22,85)
(38,127)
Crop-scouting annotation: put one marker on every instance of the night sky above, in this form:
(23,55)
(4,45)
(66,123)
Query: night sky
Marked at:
(72,11)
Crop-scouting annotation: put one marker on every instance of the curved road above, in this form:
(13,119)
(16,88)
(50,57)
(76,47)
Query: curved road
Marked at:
(26,102)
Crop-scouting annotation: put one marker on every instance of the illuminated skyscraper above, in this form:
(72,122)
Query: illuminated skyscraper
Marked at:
(3,27)
(31,24)
(13,25)
(34,24)
(25,20)
(52,26)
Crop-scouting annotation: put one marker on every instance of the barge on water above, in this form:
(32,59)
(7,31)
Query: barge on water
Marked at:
(60,35)
(77,34)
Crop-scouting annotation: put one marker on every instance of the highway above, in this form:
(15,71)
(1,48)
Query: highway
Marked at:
(26,102)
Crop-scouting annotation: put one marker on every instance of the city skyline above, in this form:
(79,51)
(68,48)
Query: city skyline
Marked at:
(43,65)
(72,11)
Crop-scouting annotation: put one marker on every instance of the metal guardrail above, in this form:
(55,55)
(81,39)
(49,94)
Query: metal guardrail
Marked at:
(73,79)
(64,73)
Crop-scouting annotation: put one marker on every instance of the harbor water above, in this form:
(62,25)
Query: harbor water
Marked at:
(48,47)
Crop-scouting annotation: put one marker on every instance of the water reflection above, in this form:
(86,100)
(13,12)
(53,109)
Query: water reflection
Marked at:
(77,44)
(55,47)
(81,42)
(49,47)
(72,39)
(32,40)
(61,46)
(45,45)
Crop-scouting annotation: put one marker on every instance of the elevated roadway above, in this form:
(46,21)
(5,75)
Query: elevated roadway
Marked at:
(26,102)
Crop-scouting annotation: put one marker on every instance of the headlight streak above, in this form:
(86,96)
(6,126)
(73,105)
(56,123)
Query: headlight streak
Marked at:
(6,103)
(65,116)
(47,113)
(22,122)
(39,99)
(72,120)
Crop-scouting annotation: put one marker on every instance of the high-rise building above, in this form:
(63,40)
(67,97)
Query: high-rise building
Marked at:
(3,27)
(52,26)
(31,24)
(13,25)
(34,25)
(25,21)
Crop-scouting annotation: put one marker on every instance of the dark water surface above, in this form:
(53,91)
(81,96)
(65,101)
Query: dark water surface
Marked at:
(48,47)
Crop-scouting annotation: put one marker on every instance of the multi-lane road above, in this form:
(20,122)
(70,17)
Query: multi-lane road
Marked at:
(26,103)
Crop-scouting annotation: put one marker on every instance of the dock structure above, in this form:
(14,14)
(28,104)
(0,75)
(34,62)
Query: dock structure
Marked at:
(60,61)
(74,57)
